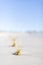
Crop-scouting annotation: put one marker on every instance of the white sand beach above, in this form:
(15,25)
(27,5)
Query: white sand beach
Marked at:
(31,45)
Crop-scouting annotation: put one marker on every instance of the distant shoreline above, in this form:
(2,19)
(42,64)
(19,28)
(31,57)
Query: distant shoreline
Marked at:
(21,31)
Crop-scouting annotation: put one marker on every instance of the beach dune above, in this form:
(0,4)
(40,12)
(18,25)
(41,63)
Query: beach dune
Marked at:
(31,45)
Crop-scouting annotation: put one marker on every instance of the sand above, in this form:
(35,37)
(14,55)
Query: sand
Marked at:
(31,45)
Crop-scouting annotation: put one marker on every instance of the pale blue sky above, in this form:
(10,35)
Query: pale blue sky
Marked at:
(21,15)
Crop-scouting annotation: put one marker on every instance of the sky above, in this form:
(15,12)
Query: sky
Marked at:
(21,15)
